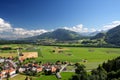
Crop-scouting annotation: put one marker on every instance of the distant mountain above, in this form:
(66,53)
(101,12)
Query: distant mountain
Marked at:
(99,36)
(59,34)
(113,36)
(90,34)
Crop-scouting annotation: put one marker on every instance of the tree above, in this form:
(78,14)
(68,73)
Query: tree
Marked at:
(81,74)
(98,74)
(8,75)
(27,78)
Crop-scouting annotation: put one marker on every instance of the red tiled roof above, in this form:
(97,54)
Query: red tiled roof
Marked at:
(1,74)
(53,69)
(39,69)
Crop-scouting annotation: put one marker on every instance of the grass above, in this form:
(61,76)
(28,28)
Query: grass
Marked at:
(20,77)
(65,76)
(49,77)
(8,54)
(94,57)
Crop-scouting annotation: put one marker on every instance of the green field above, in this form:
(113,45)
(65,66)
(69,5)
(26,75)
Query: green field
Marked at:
(93,56)
(65,76)
(20,77)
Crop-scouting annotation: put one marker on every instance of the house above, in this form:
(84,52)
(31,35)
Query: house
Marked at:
(35,65)
(12,71)
(34,69)
(39,69)
(1,75)
(21,70)
(53,69)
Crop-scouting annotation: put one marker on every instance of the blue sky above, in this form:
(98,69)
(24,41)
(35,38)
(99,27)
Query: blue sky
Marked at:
(53,14)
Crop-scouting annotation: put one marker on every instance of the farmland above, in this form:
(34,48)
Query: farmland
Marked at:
(89,56)
(66,76)
(93,56)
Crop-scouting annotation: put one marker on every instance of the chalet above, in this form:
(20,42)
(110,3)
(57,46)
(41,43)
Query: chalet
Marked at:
(34,69)
(1,75)
(12,71)
(7,71)
(21,70)
(53,69)
(39,69)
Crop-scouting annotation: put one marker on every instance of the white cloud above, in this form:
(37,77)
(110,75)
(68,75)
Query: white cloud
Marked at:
(7,31)
(4,26)
(93,30)
(24,32)
(80,28)
(111,25)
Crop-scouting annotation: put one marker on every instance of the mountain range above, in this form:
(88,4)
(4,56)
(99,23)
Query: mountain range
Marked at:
(58,34)
(112,36)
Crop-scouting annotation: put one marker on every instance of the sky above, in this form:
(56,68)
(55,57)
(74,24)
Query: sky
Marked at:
(24,18)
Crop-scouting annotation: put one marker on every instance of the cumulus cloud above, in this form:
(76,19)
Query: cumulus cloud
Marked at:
(80,28)
(4,26)
(111,25)
(7,31)
(25,33)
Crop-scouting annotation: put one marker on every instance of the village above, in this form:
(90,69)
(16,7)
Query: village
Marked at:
(10,66)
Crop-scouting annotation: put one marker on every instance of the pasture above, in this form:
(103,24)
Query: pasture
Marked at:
(93,56)
(65,76)
(90,57)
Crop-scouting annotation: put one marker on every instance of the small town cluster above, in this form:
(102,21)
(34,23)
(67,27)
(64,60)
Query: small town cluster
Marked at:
(10,67)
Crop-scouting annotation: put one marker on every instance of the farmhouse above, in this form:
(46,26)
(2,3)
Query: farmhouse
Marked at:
(4,73)
(12,71)
(39,69)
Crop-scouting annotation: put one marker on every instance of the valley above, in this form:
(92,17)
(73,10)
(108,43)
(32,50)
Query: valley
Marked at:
(91,57)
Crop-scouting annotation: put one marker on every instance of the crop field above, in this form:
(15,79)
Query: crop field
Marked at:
(90,57)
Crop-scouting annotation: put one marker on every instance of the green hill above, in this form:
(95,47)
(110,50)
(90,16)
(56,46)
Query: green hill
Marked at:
(59,34)
(113,36)
(99,36)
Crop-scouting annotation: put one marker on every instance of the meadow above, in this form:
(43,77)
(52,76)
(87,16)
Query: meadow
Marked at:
(89,56)
(65,76)
(93,56)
